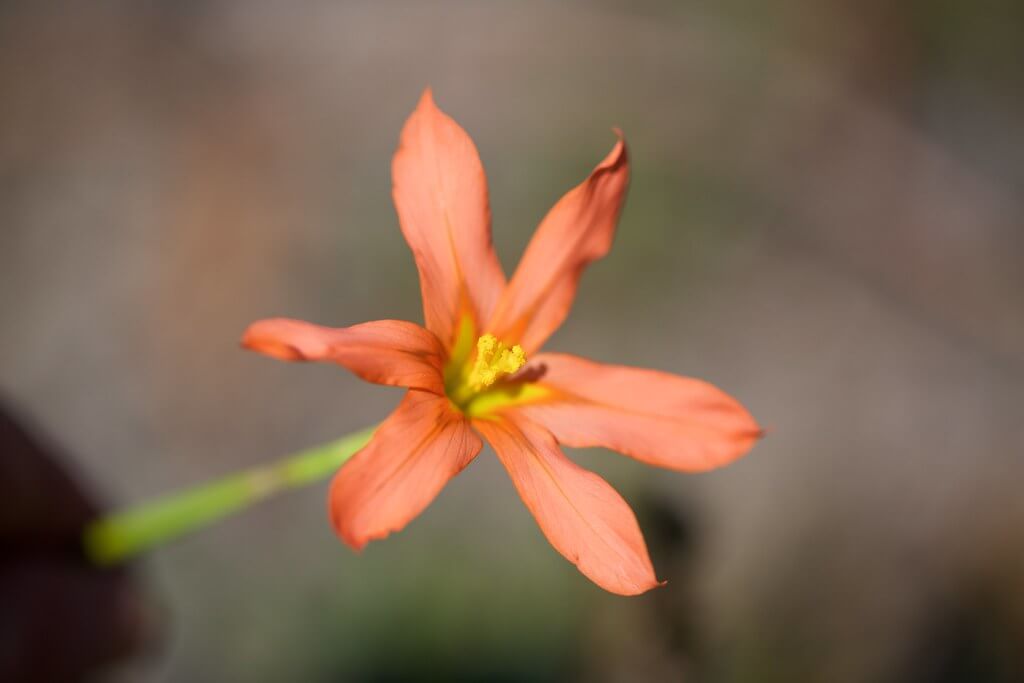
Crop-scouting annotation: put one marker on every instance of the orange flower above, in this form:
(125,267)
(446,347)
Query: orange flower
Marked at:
(475,368)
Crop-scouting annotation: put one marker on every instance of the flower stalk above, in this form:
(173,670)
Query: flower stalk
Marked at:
(117,537)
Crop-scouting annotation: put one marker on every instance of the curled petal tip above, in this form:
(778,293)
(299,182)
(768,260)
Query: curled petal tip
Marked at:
(355,544)
(620,150)
(619,156)
(256,338)
(639,589)
(356,541)
(427,98)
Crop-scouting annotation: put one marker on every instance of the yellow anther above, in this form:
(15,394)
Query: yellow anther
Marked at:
(494,360)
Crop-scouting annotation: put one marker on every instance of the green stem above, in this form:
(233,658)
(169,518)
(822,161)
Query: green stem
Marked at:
(117,537)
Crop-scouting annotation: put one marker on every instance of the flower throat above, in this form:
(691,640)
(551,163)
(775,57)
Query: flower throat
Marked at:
(493,360)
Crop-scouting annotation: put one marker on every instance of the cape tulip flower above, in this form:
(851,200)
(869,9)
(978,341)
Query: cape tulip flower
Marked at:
(475,369)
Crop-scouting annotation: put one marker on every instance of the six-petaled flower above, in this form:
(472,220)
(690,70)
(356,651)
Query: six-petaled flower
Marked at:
(475,368)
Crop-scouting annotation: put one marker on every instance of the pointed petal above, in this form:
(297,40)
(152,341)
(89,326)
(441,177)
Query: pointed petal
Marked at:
(578,230)
(391,352)
(440,193)
(413,454)
(656,417)
(581,515)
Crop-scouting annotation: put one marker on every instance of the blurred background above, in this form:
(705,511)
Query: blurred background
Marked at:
(825,219)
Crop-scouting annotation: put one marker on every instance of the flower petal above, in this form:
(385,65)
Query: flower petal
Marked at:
(410,458)
(578,230)
(393,352)
(581,515)
(440,193)
(656,417)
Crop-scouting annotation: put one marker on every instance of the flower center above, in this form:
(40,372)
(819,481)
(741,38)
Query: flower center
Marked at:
(493,360)
(469,374)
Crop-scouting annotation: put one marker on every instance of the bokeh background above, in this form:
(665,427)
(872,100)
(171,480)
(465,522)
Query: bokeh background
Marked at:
(825,219)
